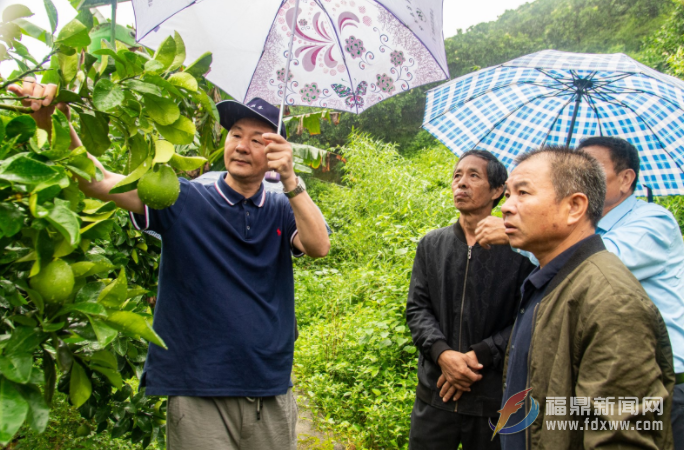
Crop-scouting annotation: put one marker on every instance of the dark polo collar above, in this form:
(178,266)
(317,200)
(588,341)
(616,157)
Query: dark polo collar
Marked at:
(233,197)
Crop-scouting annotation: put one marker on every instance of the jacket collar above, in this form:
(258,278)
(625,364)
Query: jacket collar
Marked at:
(458,231)
(460,234)
(617,213)
(589,247)
(233,197)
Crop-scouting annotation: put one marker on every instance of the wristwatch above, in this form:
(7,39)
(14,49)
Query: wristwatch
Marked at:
(297,190)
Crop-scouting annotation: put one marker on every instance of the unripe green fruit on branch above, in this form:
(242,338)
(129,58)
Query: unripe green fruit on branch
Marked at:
(54,282)
(160,188)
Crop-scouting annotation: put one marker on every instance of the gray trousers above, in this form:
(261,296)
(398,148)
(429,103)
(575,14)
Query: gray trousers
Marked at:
(232,423)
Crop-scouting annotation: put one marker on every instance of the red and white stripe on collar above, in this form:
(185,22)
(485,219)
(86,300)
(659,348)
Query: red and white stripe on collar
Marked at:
(218,189)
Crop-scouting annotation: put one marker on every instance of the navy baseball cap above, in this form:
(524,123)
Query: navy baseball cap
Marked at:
(230,111)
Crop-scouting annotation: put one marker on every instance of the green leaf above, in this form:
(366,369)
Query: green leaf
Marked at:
(23,340)
(17,367)
(25,170)
(134,325)
(105,334)
(113,376)
(179,59)
(68,64)
(207,103)
(50,376)
(184,80)
(15,11)
(81,268)
(73,34)
(200,66)
(52,14)
(36,32)
(65,221)
(166,52)
(13,410)
(98,230)
(181,132)
(138,150)
(80,387)
(162,110)
(107,95)
(67,96)
(80,164)
(115,293)
(104,358)
(187,163)
(143,88)
(22,126)
(154,67)
(164,151)
(127,183)
(61,137)
(95,133)
(92,309)
(312,122)
(11,218)
(39,412)
(91,291)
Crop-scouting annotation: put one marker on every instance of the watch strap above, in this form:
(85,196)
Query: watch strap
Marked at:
(297,190)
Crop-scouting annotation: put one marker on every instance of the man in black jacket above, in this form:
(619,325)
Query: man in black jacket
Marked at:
(461,307)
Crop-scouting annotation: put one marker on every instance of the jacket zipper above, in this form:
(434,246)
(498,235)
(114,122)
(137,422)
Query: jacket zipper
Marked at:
(463,298)
(528,434)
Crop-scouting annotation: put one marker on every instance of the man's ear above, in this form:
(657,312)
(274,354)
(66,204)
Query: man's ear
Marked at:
(498,192)
(577,205)
(626,178)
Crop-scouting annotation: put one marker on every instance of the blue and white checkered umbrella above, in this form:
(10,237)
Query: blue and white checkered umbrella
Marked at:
(553,97)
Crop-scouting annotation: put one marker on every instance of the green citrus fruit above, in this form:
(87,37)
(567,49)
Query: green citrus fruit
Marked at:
(159,189)
(54,282)
(83,430)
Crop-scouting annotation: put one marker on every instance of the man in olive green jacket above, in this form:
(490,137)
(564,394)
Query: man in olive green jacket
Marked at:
(588,342)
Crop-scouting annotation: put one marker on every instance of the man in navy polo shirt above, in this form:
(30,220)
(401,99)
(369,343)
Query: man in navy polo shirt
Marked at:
(225,304)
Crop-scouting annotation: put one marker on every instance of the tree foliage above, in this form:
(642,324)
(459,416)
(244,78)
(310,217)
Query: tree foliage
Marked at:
(74,275)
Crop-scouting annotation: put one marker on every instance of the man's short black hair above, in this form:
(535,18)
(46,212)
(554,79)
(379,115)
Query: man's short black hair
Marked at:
(573,172)
(623,154)
(496,171)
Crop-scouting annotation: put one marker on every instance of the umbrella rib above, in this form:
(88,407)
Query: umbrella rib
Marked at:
(339,43)
(556,120)
(488,91)
(640,91)
(618,102)
(491,129)
(153,28)
(592,104)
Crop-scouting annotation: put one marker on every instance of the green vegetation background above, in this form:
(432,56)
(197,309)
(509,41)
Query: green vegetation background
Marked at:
(354,357)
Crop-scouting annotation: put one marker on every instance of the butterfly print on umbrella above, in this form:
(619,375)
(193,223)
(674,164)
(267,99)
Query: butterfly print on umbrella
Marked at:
(352,99)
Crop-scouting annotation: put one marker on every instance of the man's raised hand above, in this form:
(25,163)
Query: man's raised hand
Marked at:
(279,154)
(491,231)
(39,98)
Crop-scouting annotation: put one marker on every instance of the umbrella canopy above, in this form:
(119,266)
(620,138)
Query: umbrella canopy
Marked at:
(346,54)
(553,98)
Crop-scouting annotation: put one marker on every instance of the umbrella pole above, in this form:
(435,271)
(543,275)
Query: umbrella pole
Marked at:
(574,118)
(287,66)
(272,175)
(112,39)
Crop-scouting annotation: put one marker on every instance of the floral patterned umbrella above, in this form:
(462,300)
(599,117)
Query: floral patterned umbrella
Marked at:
(342,54)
